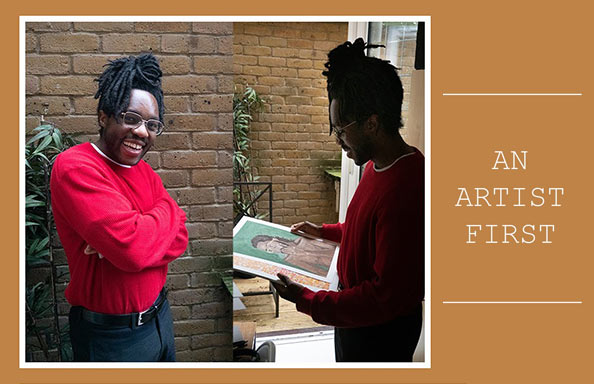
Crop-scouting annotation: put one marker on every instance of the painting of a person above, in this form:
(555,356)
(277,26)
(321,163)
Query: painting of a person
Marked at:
(308,254)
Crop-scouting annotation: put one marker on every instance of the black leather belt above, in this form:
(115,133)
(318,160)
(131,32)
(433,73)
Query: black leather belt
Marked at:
(130,319)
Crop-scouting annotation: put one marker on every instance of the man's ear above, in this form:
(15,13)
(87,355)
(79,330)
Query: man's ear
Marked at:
(102,118)
(372,124)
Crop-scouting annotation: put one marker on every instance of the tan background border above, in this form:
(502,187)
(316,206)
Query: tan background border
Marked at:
(476,47)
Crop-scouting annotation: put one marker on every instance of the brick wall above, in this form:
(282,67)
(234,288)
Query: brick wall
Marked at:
(193,156)
(283,62)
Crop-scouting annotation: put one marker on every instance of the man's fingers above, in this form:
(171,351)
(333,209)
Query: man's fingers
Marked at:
(284,279)
(297,227)
(89,250)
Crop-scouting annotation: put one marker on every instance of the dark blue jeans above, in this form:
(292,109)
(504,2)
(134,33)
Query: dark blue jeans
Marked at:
(152,341)
(394,341)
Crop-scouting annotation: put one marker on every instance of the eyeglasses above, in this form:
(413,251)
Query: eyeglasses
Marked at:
(133,120)
(338,131)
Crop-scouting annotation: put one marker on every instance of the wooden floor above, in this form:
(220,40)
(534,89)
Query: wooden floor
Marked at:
(261,309)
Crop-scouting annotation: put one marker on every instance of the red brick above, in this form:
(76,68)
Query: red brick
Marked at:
(270,41)
(194,196)
(85,105)
(176,104)
(31,122)
(217,212)
(174,65)
(324,45)
(285,52)
(159,27)
(175,43)
(170,140)
(204,177)
(299,83)
(284,108)
(244,59)
(256,70)
(153,159)
(225,45)
(298,100)
(244,79)
(131,42)
(213,64)
(201,230)
(224,122)
(224,194)
(286,32)
(188,84)
(257,50)
(189,159)
(283,91)
(202,44)
(299,63)
(314,35)
(91,64)
(267,80)
(225,159)
(104,26)
(68,42)
(212,103)
(176,282)
(284,72)
(257,29)
(47,64)
(211,247)
(174,178)
(245,40)
(272,61)
(76,124)
(225,84)
(262,90)
(300,43)
(312,110)
(310,73)
(68,85)
(47,26)
(193,327)
(47,105)
(30,42)
(213,28)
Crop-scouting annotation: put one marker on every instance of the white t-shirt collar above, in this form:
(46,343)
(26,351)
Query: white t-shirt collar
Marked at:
(394,162)
(108,158)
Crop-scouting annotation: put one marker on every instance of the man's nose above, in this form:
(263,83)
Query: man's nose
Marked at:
(141,130)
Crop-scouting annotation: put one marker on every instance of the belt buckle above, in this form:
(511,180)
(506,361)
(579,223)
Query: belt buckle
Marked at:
(140,322)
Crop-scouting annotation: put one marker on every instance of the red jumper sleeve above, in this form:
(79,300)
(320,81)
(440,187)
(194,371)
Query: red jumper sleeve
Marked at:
(106,219)
(399,274)
(332,232)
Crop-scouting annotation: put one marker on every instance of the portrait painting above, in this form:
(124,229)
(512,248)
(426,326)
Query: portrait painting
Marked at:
(265,249)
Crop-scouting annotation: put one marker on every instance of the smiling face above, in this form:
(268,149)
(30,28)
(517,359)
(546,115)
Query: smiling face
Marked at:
(119,142)
(353,139)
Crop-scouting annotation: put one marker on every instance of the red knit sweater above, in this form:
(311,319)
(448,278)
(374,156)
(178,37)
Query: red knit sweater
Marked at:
(381,258)
(128,217)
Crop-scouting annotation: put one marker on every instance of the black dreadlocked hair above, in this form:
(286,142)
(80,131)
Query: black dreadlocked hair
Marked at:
(124,74)
(364,85)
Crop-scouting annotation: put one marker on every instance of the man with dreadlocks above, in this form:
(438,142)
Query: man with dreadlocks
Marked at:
(377,311)
(118,225)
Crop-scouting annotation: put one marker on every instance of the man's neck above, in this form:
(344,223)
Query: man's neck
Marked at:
(388,149)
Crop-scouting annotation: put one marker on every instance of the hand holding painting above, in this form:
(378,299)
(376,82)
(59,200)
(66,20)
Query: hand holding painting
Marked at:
(305,227)
(287,288)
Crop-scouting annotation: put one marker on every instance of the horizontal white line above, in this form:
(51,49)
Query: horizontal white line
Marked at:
(512,94)
(512,302)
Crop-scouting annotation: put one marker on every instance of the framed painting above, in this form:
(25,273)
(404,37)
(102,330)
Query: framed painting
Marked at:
(265,249)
